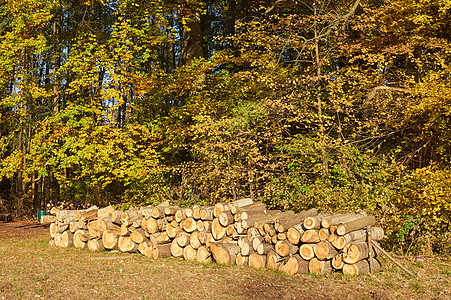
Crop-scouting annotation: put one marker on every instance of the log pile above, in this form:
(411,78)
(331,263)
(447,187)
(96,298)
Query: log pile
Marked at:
(243,232)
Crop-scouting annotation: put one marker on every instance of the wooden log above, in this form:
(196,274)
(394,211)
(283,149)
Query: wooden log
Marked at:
(306,251)
(96,245)
(138,235)
(360,267)
(65,216)
(282,236)
(246,248)
(256,241)
(231,231)
(220,207)
(57,239)
(323,234)
(125,230)
(217,230)
(251,233)
(194,240)
(110,238)
(337,219)
(54,210)
(87,215)
(176,250)
(67,239)
(283,224)
(355,252)
(347,227)
(224,253)
(189,225)
(125,244)
(116,217)
(172,231)
(242,260)
(285,248)
(207,225)
(73,226)
(253,206)
(257,261)
(225,218)
(183,239)
(337,262)
(107,223)
(162,238)
(241,203)
(310,236)
(57,228)
(171,210)
(147,211)
(161,251)
(96,228)
(294,265)
(273,260)
(189,253)
(313,222)
(354,236)
(158,212)
(145,249)
(319,266)
(104,212)
(324,250)
(78,242)
(152,225)
(180,215)
(264,248)
(295,233)
(206,214)
(45,220)
(203,255)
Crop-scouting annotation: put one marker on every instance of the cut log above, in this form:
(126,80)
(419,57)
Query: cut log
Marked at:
(180,215)
(172,231)
(110,238)
(116,217)
(125,231)
(158,212)
(176,250)
(360,267)
(282,236)
(324,250)
(96,245)
(313,222)
(194,240)
(145,249)
(203,255)
(336,219)
(257,261)
(251,233)
(337,262)
(283,224)
(126,244)
(246,248)
(66,216)
(207,225)
(264,248)
(78,241)
(152,225)
(273,261)
(253,206)
(138,235)
(189,225)
(220,207)
(231,231)
(347,227)
(319,266)
(147,211)
(96,228)
(217,230)
(183,239)
(161,251)
(189,253)
(294,265)
(57,228)
(355,252)
(171,210)
(354,236)
(323,234)
(225,218)
(162,238)
(206,214)
(104,212)
(285,248)
(45,220)
(57,239)
(67,239)
(242,260)
(310,236)
(256,241)
(73,226)
(295,233)
(306,251)
(224,253)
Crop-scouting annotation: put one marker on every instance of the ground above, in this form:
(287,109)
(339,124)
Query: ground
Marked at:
(31,269)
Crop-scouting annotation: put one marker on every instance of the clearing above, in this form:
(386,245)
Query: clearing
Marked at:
(31,269)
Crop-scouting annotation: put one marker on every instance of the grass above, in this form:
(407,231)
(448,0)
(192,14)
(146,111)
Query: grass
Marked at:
(30,269)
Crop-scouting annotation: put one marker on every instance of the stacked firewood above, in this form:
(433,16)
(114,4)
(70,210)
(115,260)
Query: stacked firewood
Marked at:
(242,232)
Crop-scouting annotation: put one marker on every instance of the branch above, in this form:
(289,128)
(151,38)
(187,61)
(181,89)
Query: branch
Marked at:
(373,92)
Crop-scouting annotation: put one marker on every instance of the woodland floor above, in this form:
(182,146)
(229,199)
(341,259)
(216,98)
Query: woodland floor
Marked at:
(31,269)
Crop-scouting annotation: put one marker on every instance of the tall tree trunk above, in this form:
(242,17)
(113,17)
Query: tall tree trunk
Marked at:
(193,39)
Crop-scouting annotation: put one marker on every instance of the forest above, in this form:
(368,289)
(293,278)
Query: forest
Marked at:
(340,105)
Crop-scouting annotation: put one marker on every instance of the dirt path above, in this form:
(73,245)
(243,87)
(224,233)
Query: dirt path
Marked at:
(22,229)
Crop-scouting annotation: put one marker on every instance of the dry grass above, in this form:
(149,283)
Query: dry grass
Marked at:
(30,269)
